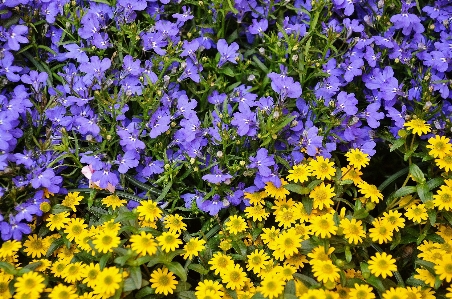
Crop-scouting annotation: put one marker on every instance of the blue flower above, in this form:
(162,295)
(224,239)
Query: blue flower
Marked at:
(285,86)
(258,27)
(127,161)
(262,161)
(13,229)
(228,53)
(216,176)
(16,36)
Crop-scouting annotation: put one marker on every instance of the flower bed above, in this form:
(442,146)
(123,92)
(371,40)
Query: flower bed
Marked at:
(225,149)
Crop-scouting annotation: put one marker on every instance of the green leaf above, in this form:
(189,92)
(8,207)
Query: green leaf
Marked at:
(306,279)
(135,274)
(126,216)
(198,268)
(360,214)
(177,269)
(8,268)
(393,178)
(405,190)
(435,182)
(187,295)
(122,260)
(376,283)
(396,144)
(424,192)
(297,189)
(290,287)
(32,266)
(417,174)
(54,246)
(260,64)
(348,254)
(56,209)
(308,204)
(432,216)
(144,292)
(104,260)
(164,191)
(258,296)
(227,71)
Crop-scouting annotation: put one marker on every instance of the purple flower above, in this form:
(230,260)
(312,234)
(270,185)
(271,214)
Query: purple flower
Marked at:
(35,79)
(262,161)
(190,49)
(152,167)
(159,122)
(406,21)
(217,98)
(96,68)
(105,177)
(285,86)
(7,68)
(42,179)
(154,41)
(191,71)
(76,52)
(372,115)
(14,229)
(131,66)
(184,17)
(16,36)
(353,69)
(127,161)
(311,140)
(217,176)
(211,206)
(258,27)
(26,211)
(228,53)
(347,103)
(245,121)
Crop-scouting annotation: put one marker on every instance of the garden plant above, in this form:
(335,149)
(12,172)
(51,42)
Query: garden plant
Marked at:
(239,149)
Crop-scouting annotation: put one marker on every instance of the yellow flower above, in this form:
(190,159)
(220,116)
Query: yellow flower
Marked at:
(322,196)
(418,126)
(325,271)
(107,282)
(143,244)
(61,291)
(30,283)
(417,213)
(257,212)
(110,226)
(234,277)
(149,210)
(4,286)
(357,158)
(439,146)
(322,168)
(74,228)
(10,248)
(113,201)
(353,230)
(236,224)
(370,191)
(426,276)
(214,288)
(271,287)
(443,198)
(257,260)
(286,272)
(395,218)
(105,241)
(351,173)
(71,200)
(395,293)
(269,234)
(220,262)
(286,217)
(163,281)
(297,260)
(382,264)
(73,272)
(256,198)
(287,244)
(445,162)
(443,268)
(174,223)
(276,192)
(34,246)
(323,226)
(57,221)
(58,268)
(193,247)
(362,291)
(381,232)
(169,241)
(90,274)
(299,173)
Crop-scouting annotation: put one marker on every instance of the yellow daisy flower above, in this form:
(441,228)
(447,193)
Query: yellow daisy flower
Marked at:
(62,291)
(90,274)
(395,293)
(370,191)
(286,217)
(426,276)
(443,268)
(299,173)
(57,221)
(107,282)
(256,198)
(163,281)
(143,243)
(193,247)
(351,173)
(58,268)
(73,272)
(149,210)
(271,287)
(417,213)
(234,277)
(322,168)
(214,288)
(71,200)
(4,286)
(174,223)
(322,196)
(169,241)
(287,244)
(395,218)
(325,271)
(443,198)
(257,212)
(105,241)
(236,224)
(323,226)
(418,126)
(220,262)
(353,230)
(439,146)
(276,192)
(362,291)
(257,260)
(297,260)
(113,201)
(357,158)
(269,234)
(74,228)
(445,162)
(30,283)
(381,232)
(382,264)
(9,248)
(34,246)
